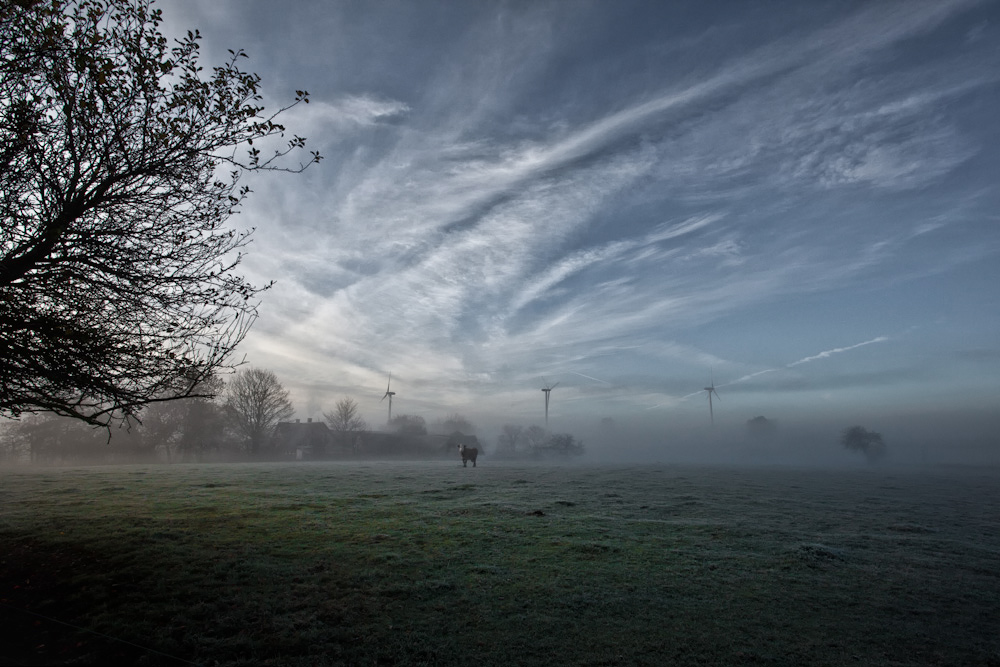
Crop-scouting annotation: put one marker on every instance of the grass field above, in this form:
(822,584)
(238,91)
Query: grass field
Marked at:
(430,563)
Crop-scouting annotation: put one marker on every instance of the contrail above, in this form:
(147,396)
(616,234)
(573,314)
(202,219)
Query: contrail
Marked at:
(591,378)
(746,377)
(822,355)
(837,350)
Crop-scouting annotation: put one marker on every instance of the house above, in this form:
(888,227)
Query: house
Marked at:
(298,440)
(311,440)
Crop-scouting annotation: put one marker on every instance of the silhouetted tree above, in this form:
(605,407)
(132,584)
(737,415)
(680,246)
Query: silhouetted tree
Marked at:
(162,425)
(345,421)
(510,435)
(256,401)
(187,427)
(120,162)
(860,439)
(11,448)
(50,438)
(456,422)
(409,425)
(204,428)
(561,444)
(534,436)
(761,427)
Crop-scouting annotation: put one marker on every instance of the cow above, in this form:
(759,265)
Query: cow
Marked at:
(468,454)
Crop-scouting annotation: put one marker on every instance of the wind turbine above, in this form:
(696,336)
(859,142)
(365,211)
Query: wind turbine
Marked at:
(711,390)
(389,394)
(548,389)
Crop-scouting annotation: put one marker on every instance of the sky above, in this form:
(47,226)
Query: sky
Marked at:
(795,201)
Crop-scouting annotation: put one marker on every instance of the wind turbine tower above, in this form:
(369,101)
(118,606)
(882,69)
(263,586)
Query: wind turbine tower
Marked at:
(547,390)
(389,395)
(711,390)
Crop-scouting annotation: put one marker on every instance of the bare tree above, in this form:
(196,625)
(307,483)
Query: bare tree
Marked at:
(120,162)
(345,420)
(256,401)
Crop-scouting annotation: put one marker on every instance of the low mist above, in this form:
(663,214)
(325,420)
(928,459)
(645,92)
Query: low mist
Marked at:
(910,439)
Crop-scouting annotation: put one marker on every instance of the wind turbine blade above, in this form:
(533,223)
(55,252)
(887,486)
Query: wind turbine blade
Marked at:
(554,386)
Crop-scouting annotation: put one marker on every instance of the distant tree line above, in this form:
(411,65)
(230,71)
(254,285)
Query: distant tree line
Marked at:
(232,419)
(227,420)
(516,441)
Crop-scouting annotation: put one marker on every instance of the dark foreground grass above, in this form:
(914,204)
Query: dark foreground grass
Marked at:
(430,563)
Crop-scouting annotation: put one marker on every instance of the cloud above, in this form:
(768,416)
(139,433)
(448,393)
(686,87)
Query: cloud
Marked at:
(466,176)
(359,110)
(622,252)
(474,237)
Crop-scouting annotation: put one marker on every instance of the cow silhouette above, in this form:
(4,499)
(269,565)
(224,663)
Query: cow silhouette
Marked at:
(468,454)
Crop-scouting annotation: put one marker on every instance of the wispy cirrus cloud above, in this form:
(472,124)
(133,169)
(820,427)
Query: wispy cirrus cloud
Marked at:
(362,110)
(615,252)
(447,246)
(457,178)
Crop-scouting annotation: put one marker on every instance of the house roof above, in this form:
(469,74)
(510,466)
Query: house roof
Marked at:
(299,434)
